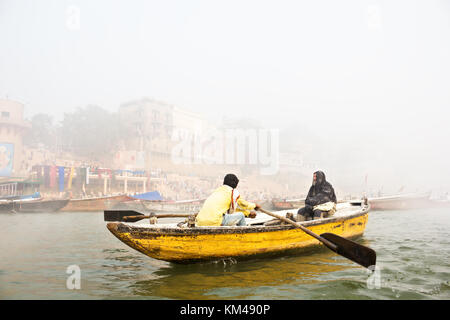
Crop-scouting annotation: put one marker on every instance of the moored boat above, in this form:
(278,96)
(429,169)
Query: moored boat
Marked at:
(185,206)
(285,204)
(191,206)
(6,206)
(440,201)
(94,204)
(437,203)
(33,196)
(154,202)
(262,236)
(13,205)
(51,205)
(32,205)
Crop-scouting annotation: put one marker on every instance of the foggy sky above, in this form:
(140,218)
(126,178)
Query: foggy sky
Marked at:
(370,80)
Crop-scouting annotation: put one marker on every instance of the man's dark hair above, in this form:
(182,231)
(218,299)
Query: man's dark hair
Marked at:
(231,180)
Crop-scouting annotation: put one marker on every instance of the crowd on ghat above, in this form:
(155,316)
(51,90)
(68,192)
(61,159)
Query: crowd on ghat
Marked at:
(177,187)
(171,185)
(174,187)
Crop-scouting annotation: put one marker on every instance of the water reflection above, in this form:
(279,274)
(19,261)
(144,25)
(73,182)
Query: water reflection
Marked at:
(221,279)
(200,281)
(411,252)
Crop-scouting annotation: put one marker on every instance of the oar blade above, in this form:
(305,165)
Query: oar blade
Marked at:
(118,215)
(352,250)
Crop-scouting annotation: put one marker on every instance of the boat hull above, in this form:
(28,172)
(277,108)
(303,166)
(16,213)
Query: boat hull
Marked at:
(160,206)
(399,203)
(94,204)
(287,204)
(6,206)
(190,245)
(40,206)
(30,206)
(439,203)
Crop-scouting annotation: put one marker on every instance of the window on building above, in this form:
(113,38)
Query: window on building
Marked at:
(5,114)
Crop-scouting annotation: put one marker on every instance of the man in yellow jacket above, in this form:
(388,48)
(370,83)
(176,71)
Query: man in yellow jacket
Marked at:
(225,207)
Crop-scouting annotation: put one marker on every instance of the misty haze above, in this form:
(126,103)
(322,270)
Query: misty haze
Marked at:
(128,102)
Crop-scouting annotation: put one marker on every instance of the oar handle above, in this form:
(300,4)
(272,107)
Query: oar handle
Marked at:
(312,234)
(134,218)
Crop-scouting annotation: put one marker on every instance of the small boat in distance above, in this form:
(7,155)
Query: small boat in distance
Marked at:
(32,196)
(156,206)
(185,206)
(285,204)
(50,205)
(94,203)
(154,202)
(6,206)
(400,201)
(32,205)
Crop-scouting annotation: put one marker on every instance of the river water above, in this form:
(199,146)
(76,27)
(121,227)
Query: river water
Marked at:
(413,262)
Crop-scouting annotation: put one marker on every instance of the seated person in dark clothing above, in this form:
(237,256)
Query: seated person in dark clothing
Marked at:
(320,201)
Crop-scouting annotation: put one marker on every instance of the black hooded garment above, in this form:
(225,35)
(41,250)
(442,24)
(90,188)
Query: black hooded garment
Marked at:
(320,192)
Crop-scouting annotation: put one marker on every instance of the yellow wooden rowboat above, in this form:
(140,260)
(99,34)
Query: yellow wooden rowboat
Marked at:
(185,245)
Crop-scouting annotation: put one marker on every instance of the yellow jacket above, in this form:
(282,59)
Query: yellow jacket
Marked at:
(223,200)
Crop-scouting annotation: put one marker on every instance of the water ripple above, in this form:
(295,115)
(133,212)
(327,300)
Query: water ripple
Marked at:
(412,262)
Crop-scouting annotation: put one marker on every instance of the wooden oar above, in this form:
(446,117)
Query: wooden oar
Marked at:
(351,250)
(133,216)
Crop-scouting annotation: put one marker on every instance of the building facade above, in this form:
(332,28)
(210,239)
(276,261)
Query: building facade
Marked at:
(12,130)
(146,126)
(152,132)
